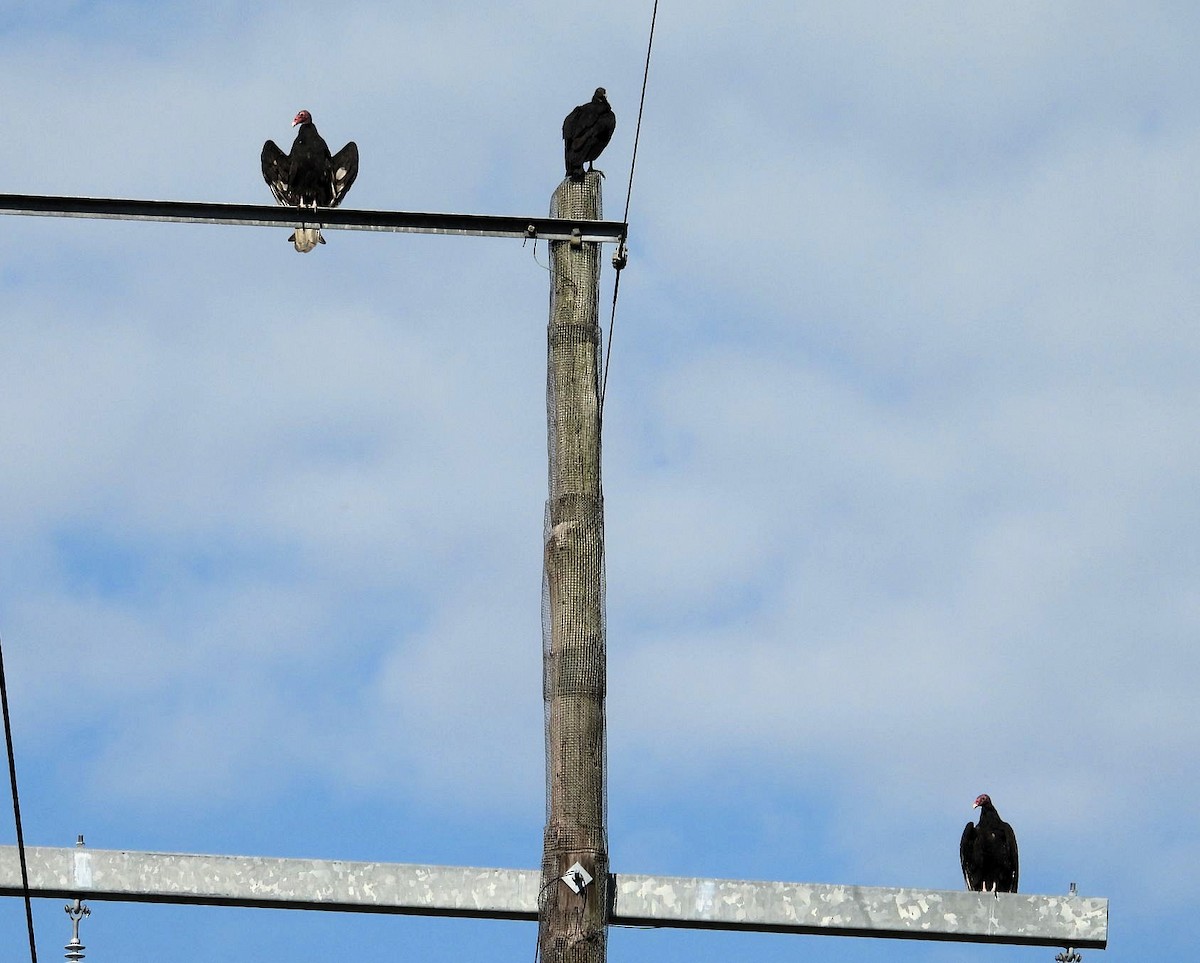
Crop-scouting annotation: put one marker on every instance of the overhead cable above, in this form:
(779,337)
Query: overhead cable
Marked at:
(12,775)
(621,257)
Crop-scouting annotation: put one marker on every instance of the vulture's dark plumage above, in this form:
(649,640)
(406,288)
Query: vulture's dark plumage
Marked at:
(309,176)
(989,851)
(586,132)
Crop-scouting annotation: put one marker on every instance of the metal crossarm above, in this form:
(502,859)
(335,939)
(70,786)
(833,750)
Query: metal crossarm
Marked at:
(660,901)
(875,911)
(265,215)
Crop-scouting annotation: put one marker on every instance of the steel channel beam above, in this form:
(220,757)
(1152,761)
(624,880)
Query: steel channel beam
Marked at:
(894,913)
(653,901)
(313,884)
(263,215)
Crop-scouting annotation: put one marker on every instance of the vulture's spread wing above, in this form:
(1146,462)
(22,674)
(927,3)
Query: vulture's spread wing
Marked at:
(344,170)
(276,170)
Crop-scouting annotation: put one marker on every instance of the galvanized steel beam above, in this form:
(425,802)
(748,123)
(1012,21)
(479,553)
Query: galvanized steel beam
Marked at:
(917,914)
(311,884)
(658,901)
(264,215)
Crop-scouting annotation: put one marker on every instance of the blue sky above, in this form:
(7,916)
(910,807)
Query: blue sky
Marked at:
(900,455)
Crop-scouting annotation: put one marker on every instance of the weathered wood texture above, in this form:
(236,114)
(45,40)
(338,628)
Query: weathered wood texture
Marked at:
(572,924)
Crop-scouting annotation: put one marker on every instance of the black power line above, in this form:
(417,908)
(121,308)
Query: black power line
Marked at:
(621,257)
(637,133)
(12,775)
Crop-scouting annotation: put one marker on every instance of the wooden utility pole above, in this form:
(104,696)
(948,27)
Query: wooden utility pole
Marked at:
(573,904)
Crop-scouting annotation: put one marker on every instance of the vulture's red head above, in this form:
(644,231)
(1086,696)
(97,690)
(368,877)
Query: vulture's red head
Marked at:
(304,117)
(982,799)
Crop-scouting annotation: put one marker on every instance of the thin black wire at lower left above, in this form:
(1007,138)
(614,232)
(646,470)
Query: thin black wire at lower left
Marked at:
(12,775)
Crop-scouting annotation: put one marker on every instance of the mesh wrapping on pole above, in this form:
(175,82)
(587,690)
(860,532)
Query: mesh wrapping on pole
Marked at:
(571,925)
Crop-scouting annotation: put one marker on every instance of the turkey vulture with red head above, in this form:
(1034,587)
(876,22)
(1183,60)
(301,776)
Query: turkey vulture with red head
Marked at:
(309,176)
(586,132)
(989,851)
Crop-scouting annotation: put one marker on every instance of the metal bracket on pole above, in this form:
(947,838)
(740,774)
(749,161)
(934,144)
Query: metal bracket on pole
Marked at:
(620,256)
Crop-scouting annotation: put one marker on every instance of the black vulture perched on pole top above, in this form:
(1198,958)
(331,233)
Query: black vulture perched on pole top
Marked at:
(309,176)
(586,132)
(989,851)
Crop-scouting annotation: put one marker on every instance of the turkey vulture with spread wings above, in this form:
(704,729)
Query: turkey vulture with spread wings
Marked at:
(309,176)
(989,851)
(586,132)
